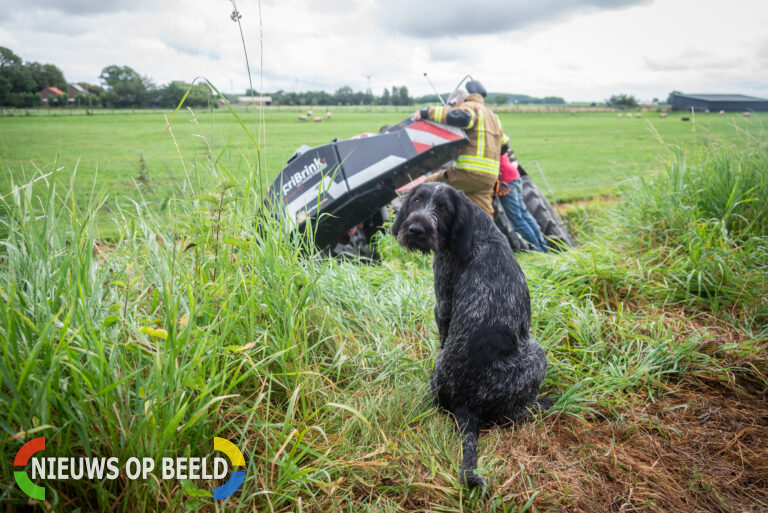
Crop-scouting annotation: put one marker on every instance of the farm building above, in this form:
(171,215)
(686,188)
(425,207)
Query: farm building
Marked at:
(259,100)
(75,89)
(50,91)
(718,102)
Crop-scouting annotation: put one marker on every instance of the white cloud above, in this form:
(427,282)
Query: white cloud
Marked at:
(581,50)
(436,18)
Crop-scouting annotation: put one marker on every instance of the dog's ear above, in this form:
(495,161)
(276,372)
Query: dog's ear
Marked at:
(402,214)
(463,226)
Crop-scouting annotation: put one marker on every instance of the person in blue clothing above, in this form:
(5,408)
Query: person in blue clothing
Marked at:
(511,195)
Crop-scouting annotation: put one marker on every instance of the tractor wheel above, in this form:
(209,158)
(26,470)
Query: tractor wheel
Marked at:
(552,227)
(516,242)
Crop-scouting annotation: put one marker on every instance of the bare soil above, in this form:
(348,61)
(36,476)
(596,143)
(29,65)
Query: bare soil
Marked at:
(700,447)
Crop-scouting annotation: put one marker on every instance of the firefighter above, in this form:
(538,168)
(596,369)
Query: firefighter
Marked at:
(476,168)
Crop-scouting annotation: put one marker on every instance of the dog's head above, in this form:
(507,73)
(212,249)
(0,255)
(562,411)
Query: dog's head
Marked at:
(436,217)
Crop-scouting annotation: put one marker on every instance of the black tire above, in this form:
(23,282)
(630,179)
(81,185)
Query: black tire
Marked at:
(516,242)
(552,227)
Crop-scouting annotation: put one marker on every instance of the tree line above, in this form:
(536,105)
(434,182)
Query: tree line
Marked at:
(21,84)
(343,96)
(121,87)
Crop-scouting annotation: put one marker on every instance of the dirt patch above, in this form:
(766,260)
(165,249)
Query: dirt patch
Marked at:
(696,449)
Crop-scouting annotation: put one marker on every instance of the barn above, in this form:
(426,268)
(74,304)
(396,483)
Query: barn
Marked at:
(718,102)
(257,100)
(50,91)
(76,90)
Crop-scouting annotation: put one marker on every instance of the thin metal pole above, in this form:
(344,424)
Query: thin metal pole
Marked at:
(435,89)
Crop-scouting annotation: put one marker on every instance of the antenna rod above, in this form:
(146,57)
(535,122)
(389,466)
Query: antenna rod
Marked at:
(435,89)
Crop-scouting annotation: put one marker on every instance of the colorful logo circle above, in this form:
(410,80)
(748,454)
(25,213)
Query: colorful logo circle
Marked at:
(237,460)
(22,457)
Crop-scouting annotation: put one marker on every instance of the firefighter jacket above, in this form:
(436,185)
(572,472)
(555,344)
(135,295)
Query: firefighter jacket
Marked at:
(483,128)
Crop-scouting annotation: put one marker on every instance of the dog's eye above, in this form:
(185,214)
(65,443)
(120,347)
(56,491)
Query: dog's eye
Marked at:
(444,208)
(416,201)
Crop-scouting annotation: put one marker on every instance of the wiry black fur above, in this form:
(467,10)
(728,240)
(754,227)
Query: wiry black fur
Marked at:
(488,368)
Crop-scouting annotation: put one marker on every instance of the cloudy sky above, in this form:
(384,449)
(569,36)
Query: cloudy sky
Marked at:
(582,50)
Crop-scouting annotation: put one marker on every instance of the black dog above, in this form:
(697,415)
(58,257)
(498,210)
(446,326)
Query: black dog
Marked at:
(488,369)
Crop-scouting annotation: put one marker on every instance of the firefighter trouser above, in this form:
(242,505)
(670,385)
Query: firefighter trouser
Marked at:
(478,186)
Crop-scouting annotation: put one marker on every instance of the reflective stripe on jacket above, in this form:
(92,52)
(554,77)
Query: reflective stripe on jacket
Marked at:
(483,129)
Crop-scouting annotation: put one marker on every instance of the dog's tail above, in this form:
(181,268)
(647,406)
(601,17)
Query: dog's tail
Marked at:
(469,425)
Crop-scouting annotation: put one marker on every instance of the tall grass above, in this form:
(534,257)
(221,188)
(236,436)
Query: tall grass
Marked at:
(192,324)
(702,227)
(212,320)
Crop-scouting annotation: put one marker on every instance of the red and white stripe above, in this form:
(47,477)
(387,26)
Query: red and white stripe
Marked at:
(426,134)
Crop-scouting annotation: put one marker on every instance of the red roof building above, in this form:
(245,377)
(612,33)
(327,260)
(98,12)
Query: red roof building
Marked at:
(50,91)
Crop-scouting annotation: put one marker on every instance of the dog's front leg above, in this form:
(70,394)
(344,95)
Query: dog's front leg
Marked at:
(469,426)
(433,386)
(443,296)
(442,319)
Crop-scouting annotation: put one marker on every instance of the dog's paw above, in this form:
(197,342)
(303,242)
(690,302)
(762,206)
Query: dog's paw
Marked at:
(470,480)
(544,403)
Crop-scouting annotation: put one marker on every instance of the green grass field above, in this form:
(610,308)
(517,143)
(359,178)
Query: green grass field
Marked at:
(585,154)
(189,324)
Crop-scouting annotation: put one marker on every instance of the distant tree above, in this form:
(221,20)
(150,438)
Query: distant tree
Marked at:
(288,99)
(92,88)
(57,100)
(251,92)
(82,100)
(501,99)
(428,98)
(622,101)
(344,95)
(24,100)
(404,98)
(553,100)
(126,88)
(386,98)
(399,96)
(31,99)
(672,94)
(171,94)
(6,90)
(14,77)
(8,59)
(45,75)
(21,83)
(324,98)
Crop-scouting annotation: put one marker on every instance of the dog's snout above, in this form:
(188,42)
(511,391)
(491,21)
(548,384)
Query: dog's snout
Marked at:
(416,228)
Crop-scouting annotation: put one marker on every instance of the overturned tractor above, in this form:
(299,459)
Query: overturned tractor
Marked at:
(343,189)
